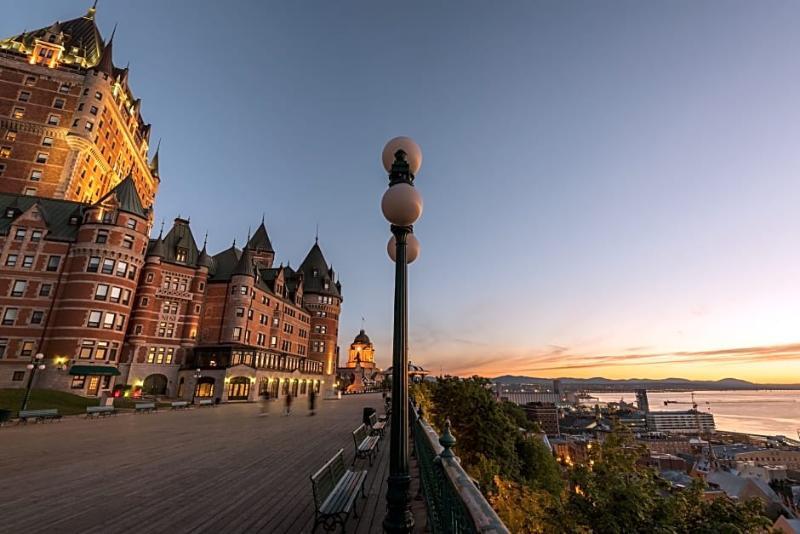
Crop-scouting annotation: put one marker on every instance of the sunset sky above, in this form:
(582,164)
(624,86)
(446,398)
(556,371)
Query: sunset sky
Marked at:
(610,190)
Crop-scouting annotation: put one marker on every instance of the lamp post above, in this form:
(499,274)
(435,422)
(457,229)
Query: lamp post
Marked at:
(36,363)
(197,375)
(402,206)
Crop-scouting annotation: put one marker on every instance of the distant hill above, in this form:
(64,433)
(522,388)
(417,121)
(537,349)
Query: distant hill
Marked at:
(628,384)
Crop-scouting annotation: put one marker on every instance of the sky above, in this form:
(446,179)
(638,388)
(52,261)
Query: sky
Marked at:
(610,187)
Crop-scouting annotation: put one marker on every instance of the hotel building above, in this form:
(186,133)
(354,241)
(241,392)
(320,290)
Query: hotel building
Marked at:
(81,282)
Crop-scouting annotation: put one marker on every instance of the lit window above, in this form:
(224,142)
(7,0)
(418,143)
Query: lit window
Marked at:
(93,265)
(120,322)
(30,81)
(11,136)
(108,266)
(18,113)
(109,319)
(18,289)
(5,151)
(115,294)
(89,126)
(101,292)
(27,348)
(94,319)
(10,316)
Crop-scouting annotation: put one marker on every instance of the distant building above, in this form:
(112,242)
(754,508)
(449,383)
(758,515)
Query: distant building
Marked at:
(359,373)
(546,414)
(681,422)
(557,386)
(523,399)
(641,400)
(728,455)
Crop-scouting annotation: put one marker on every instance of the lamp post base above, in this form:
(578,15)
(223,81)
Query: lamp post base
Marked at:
(399,519)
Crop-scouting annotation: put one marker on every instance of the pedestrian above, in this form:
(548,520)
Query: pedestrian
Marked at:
(288,409)
(264,404)
(312,401)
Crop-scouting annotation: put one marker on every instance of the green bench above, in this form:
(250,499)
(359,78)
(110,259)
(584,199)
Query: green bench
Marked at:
(99,411)
(38,415)
(179,405)
(142,407)
(365,445)
(377,428)
(335,491)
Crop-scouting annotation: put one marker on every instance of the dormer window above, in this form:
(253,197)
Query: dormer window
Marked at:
(74,219)
(326,284)
(10,213)
(108,217)
(315,273)
(180,255)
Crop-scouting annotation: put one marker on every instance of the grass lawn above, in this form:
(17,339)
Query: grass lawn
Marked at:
(67,403)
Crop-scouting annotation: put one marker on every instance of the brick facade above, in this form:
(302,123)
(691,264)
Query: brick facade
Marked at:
(82,283)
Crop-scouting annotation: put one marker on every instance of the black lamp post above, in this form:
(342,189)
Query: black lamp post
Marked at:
(197,375)
(36,363)
(402,206)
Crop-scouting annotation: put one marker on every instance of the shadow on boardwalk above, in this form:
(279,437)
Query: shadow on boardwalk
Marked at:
(220,470)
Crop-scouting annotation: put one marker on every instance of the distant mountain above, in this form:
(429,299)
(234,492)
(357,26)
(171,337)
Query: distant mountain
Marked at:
(600,382)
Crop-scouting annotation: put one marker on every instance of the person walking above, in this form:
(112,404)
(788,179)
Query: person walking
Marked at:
(288,408)
(265,404)
(312,401)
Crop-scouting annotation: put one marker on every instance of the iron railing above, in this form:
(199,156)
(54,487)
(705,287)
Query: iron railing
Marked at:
(454,502)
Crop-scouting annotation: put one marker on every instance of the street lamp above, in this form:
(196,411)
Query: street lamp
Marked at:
(402,206)
(36,363)
(197,375)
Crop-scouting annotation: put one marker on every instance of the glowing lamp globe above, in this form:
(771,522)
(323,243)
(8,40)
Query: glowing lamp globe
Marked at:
(412,248)
(407,145)
(402,204)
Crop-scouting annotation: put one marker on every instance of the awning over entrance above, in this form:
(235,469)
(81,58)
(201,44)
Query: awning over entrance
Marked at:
(104,370)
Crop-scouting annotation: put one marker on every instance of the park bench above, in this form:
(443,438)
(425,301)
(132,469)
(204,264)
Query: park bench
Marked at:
(335,491)
(38,415)
(99,411)
(142,407)
(179,405)
(205,402)
(376,427)
(365,445)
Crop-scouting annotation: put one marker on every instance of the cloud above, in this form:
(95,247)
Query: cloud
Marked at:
(558,358)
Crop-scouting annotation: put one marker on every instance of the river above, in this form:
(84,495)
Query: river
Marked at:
(767,412)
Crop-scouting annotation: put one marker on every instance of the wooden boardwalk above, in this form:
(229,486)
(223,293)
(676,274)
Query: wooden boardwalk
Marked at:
(215,470)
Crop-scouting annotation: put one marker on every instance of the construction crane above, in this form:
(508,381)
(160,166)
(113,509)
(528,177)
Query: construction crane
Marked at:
(693,403)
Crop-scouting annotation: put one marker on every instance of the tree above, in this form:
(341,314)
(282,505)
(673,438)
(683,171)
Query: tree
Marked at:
(538,468)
